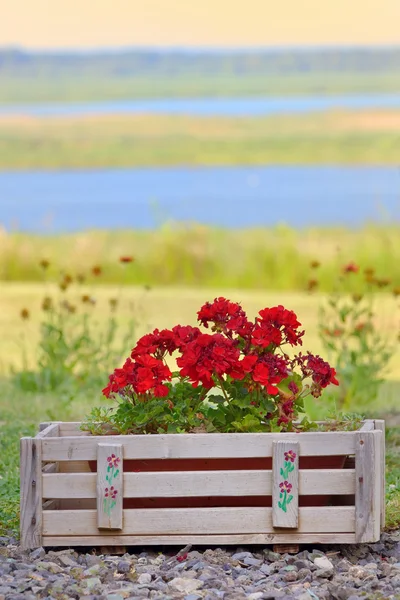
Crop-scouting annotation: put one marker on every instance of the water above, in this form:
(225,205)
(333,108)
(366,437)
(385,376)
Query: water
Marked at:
(229,197)
(211,106)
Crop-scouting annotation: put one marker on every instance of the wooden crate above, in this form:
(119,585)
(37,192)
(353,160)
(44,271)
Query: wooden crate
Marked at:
(64,503)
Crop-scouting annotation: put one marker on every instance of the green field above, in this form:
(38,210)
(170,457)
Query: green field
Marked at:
(356,138)
(37,89)
(276,258)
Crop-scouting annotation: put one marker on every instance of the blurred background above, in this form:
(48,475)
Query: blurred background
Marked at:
(222,146)
(156,154)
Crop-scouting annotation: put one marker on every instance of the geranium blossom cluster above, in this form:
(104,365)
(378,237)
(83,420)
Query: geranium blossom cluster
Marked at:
(232,349)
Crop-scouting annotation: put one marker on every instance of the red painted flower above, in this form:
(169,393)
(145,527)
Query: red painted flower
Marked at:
(285,487)
(290,456)
(110,492)
(113,460)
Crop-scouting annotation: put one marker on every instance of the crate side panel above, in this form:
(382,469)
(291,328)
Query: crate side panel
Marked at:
(170,521)
(177,446)
(199,483)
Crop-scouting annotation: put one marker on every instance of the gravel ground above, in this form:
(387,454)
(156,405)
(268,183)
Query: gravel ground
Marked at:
(322,573)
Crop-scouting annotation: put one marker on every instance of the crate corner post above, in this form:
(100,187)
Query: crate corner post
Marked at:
(30,493)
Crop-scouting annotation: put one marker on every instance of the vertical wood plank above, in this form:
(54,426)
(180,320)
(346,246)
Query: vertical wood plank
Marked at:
(380,425)
(109,486)
(285,484)
(368,485)
(30,493)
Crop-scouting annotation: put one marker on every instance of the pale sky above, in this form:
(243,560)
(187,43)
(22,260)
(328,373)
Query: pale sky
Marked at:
(93,23)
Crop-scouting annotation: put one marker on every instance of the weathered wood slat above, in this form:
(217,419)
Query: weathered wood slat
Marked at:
(380,425)
(208,540)
(169,521)
(225,445)
(368,425)
(109,488)
(52,430)
(368,485)
(30,493)
(199,483)
(285,484)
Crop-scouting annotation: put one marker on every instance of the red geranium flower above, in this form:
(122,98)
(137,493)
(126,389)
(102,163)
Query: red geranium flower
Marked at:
(226,317)
(275,326)
(321,372)
(206,356)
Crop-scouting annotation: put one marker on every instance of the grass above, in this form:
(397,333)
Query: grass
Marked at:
(44,89)
(275,258)
(354,138)
(160,307)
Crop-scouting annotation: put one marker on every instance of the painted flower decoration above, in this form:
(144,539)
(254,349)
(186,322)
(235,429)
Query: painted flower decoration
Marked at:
(285,486)
(113,461)
(110,492)
(290,456)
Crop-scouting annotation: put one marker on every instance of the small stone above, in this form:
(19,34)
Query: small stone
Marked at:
(242,555)
(250,561)
(124,566)
(114,597)
(185,585)
(290,576)
(304,596)
(192,597)
(323,563)
(323,573)
(266,569)
(92,582)
(272,556)
(37,554)
(343,566)
(67,561)
(302,573)
(386,569)
(92,571)
(91,559)
(255,596)
(357,572)
(49,566)
(144,578)
(142,560)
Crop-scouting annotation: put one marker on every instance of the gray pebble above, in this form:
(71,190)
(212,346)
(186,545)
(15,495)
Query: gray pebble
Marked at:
(124,567)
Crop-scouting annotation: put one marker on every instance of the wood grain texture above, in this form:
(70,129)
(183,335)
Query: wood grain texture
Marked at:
(110,486)
(207,445)
(380,425)
(185,484)
(285,484)
(48,430)
(30,493)
(198,540)
(368,485)
(368,425)
(204,521)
